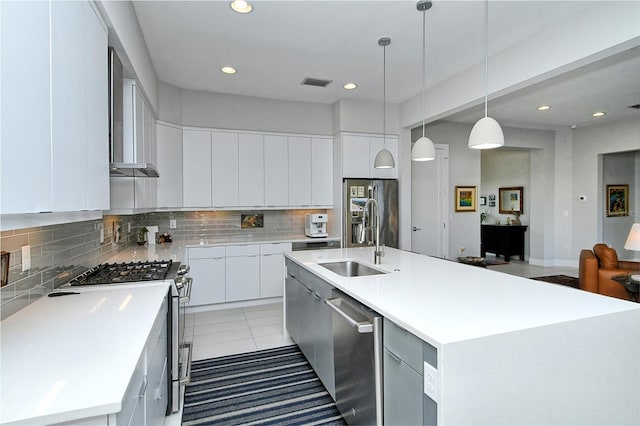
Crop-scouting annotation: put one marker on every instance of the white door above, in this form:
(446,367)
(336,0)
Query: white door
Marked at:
(299,171)
(196,168)
(169,156)
(224,153)
(430,204)
(276,170)
(321,172)
(251,170)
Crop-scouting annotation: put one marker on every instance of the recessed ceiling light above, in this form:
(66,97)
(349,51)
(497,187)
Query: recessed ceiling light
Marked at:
(241,6)
(350,86)
(228,70)
(544,107)
(574,126)
(599,114)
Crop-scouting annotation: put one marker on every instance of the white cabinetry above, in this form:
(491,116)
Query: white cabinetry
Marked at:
(54,108)
(359,153)
(208,271)
(251,170)
(272,269)
(300,171)
(196,166)
(276,170)
(169,156)
(243,273)
(224,184)
(321,172)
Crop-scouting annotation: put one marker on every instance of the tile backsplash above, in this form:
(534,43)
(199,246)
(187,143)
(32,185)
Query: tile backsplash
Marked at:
(59,252)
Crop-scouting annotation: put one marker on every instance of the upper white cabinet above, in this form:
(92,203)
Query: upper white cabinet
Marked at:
(196,166)
(321,172)
(54,108)
(169,156)
(224,151)
(251,170)
(276,170)
(359,153)
(300,171)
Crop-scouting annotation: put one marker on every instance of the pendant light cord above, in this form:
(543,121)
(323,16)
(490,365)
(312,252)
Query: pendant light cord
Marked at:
(486,59)
(424,67)
(384,95)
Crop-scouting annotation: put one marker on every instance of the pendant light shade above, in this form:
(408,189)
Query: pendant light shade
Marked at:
(486,133)
(423,149)
(384,158)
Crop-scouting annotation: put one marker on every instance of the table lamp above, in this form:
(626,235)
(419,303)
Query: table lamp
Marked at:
(633,243)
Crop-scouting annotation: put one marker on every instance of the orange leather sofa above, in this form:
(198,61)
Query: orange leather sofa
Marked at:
(597,266)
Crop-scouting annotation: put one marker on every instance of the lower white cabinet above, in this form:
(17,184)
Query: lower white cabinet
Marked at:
(272,269)
(208,270)
(243,273)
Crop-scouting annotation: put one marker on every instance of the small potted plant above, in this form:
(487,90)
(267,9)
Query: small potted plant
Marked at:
(142,236)
(483,217)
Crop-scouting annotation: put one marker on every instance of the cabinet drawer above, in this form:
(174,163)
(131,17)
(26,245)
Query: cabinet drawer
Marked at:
(206,252)
(243,250)
(403,344)
(275,248)
(316,284)
(292,268)
(157,340)
(402,392)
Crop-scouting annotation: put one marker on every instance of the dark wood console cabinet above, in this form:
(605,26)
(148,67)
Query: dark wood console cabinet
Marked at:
(503,240)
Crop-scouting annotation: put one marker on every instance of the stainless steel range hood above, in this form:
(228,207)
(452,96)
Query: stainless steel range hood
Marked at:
(118,167)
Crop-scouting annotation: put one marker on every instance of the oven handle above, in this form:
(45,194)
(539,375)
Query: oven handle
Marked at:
(185,376)
(187,284)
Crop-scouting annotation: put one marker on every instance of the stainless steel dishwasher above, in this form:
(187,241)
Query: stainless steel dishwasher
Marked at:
(357,345)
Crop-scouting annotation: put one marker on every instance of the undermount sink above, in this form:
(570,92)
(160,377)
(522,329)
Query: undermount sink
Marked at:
(350,268)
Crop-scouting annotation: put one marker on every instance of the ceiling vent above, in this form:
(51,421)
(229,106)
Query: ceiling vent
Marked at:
(310,81)
(636,106)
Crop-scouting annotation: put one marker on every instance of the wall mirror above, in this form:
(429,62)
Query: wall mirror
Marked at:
(510,200)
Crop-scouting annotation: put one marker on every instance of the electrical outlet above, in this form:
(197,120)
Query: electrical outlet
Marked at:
(128,227)
(460,250)
(431,381)
(172,224)
(26,258)
(100,227)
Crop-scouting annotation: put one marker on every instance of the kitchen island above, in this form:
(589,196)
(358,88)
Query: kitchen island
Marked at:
(86,357)
(509,350)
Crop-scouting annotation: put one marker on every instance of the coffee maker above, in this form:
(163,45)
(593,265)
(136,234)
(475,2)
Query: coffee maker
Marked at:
(315,225)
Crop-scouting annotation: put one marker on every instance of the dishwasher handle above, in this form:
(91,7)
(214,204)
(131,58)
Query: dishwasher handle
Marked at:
(362,326)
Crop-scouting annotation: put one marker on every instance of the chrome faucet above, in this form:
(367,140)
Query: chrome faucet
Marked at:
(377,254)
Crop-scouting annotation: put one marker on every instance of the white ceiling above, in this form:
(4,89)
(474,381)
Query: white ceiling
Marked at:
(281,42)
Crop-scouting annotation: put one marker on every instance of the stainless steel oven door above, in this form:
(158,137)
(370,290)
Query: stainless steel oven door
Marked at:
(185,347)
(180,350)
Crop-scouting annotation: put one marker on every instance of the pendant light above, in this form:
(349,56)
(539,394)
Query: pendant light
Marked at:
(423,149)
(486,133)
(384,158)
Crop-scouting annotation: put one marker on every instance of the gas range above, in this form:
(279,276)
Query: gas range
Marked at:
(121,273)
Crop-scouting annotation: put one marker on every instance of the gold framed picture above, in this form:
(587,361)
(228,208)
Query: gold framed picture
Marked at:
(617,200)
(466,198)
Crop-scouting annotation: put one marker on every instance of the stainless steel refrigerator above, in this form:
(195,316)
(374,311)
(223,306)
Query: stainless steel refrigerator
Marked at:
(356,193)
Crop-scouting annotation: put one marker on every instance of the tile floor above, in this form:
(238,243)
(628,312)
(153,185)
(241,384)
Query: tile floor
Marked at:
(237,330)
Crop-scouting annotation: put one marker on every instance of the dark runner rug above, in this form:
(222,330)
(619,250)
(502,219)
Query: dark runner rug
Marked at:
(559,279)
(269,387)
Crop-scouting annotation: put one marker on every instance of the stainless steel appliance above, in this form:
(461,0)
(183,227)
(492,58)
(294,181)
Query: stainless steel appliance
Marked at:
(179,351)
(356,193)
(315,225)
(314,245)
(357,346)
(120,163)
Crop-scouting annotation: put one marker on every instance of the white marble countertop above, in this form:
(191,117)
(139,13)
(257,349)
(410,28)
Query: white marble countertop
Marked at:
(175,250)
(444,302)
(72,357)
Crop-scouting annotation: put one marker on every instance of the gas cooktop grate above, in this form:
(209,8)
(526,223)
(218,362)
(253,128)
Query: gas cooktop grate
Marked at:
(118,273)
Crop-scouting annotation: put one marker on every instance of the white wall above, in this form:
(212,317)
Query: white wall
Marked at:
(364,117)
(589,144)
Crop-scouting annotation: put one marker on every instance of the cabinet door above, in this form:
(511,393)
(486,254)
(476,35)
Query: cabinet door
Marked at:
(321,318)
(196,166)
(224,174)
(276,169)
(25,113)
(169,156)
(97,110)
(375,145)
(355,156)
(271,275)
(68,105)
(208,281)
(299,326)
(299,171)
(251,170)
(321,172)
(243,278)
(402,392)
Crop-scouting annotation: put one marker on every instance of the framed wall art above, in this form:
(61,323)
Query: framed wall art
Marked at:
(510,200)
(617,197)
(466,198)
(483,201)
